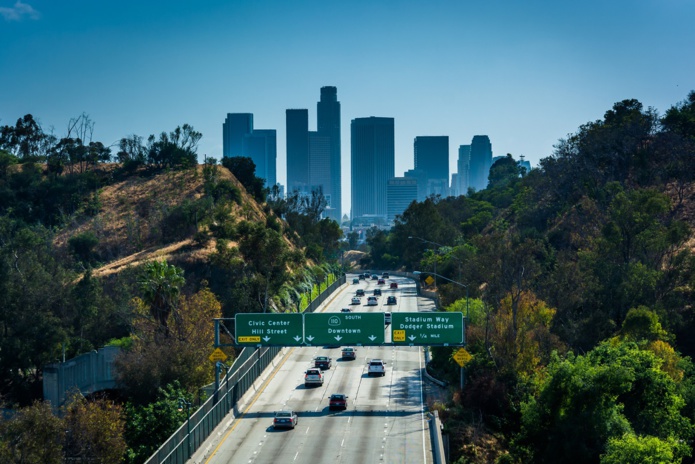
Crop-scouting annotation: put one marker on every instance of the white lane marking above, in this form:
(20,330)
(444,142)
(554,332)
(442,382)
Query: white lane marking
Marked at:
(307,431)
(295,456)
(342,443)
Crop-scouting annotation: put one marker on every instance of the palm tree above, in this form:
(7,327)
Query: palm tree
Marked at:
(161,285)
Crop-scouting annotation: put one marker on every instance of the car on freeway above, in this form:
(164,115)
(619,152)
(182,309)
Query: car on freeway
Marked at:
(360,276)
(375,277)
(385,275)
(322,362)
(394,285)
(313,376)
(355,281)
(359,292)
(356,300)
(285,420)
(376,367)
(391,300)
(380,282)
(337,400)
(387,318)
(349,352)
(345,310)
(377,292)
(372,301)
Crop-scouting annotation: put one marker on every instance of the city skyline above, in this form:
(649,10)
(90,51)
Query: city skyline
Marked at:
(526,74)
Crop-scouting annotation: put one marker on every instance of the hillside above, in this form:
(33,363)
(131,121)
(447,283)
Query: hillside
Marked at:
(128,225)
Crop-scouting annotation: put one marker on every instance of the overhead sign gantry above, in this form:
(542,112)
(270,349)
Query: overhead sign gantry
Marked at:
(353,328)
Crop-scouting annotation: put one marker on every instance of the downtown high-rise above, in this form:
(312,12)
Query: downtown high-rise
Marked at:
(372,163)
(480,162)
(239,138)
(432,157)
(313,157)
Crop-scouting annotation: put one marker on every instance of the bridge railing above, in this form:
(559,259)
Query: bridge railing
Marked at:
(88,373)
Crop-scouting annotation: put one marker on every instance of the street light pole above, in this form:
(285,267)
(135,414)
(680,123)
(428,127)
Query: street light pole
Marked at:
(463,369)
(453,282)
(187,404)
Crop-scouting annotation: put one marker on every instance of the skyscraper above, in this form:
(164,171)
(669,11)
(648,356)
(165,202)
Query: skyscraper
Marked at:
(261,146)
(400,193)
(372,163)
(463,166)
(432,157)
(320,165)
(234,128)
(328,125)
(481,161)
(297,124)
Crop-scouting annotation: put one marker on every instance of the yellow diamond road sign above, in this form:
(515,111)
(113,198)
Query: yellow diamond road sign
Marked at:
(462,357)
(217,355)
(429,280)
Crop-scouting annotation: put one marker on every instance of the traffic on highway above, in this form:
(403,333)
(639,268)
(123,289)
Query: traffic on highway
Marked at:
(338,402)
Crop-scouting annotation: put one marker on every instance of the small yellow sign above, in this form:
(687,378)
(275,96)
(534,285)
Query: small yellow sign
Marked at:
(254,339)
(462,357)
(399,335)
(429,280)
(218,355)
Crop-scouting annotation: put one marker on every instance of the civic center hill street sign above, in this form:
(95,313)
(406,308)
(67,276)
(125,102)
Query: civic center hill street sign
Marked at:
(269,329)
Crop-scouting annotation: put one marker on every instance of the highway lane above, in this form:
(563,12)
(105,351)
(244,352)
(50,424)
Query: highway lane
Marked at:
(384,421)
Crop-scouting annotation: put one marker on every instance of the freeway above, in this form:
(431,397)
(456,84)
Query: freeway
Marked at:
(384,422)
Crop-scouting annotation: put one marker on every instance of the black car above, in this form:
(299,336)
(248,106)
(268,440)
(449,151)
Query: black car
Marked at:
(322,362)
(391,300)
(377,292)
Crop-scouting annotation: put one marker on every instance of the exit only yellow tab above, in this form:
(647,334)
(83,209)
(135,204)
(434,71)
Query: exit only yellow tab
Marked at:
(399,335)
(254,339)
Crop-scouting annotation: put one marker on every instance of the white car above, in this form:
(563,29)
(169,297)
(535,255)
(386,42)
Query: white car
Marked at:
(313,376)
(376,367)
(372,301)
(387,318)
(356,300)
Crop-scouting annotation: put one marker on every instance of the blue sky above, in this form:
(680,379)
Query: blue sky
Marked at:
(525,73)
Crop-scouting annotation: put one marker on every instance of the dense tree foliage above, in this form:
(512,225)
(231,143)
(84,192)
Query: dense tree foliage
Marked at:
(588,257)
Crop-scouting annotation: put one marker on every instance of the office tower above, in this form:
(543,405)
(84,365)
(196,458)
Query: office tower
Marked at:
(372,163)
(234,128)
(320,166)
(420,177)
(432,157)
(328,125)
(261,146)
(463,166)
(454,184)
(297,124)
(524,164)
(481,161)
(400,193)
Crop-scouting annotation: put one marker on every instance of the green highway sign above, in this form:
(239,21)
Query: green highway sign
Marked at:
(269,329)
(343,329)
(435,328)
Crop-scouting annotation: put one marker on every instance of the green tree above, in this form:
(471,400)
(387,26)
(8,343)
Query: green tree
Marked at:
(33,436)
(160,285)
(584,401)
(95,431)
(244,169)
(633,449)
(149,425)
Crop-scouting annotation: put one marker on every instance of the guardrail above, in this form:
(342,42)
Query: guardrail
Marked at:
(240,377)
